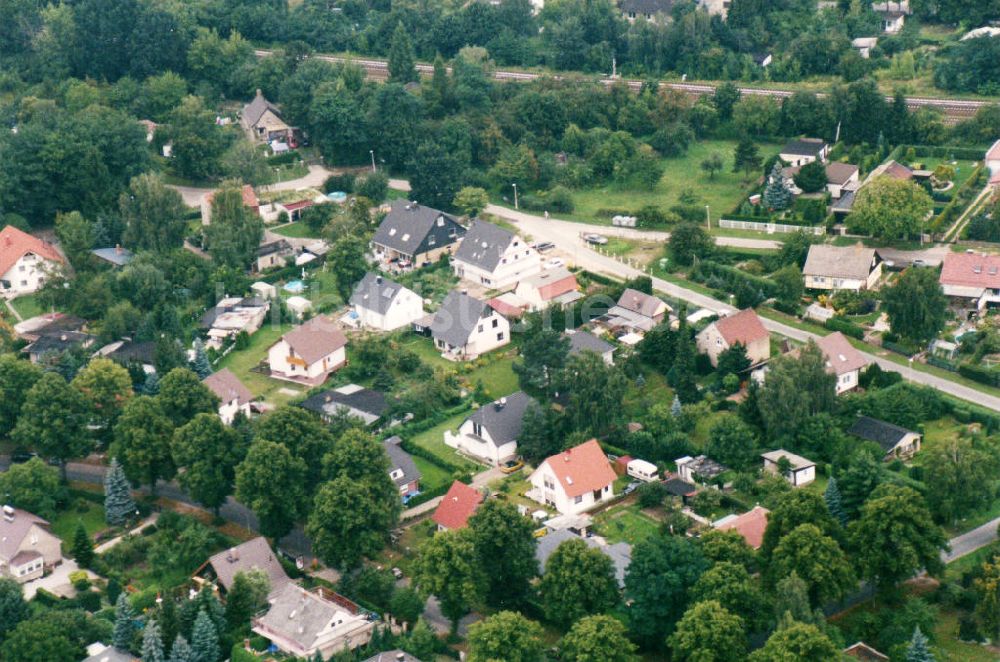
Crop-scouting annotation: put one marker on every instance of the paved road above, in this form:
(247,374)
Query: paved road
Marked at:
(970,541)
(481,479)
(562,235)
(317,175)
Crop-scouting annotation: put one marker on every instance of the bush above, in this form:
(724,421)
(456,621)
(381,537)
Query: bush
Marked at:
(344,182)
(374,186)
(285,158)
(650,495)
(978,373)
(847,328)
(812,210)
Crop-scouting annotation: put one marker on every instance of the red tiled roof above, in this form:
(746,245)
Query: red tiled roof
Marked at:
(15,244)
(898,171)
(863,651)
(558,288)
(750,525)
(582,469)
(994,151)
(457,506)
(504,308)
(744,327)
(249,197)
(295,206)
(841,356)
(971,270)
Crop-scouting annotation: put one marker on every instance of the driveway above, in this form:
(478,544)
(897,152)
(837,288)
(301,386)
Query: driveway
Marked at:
(58,582)
(317,175)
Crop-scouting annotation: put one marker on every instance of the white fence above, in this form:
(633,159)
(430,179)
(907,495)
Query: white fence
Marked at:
(770,228)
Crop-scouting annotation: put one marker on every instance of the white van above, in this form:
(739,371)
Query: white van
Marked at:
(642,470)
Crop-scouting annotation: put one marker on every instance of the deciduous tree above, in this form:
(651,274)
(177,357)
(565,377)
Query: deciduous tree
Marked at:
(916,305)
(53,420)
(505,543)
(796,389)
(447,568)
(507,636)
(732,442)
(235,232)
(661,574)
(578,581)
(153,215)
(142,442)
(889,208)
(801,642)
(351,519)
(182,396)
(731,586)
(13,608)
(107,387)
(689,241)
(271,482)
(207,452)
(708,633)
(598,638)
(817,559)
(16,379)
(32,486)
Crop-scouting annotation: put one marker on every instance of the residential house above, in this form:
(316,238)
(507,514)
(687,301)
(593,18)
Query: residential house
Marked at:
(129,352)
(490,433)
(715,7)
(864,46)
(464,328)
(651,11)
(273,253)
(843,360)
(393,656)
(840,177)
(250,201)
(972,280)
(698,469)
(862,651)
(262,120)
(35,327)
(232,316)
(800,470)
(574,481)
(803,151)
(550,287)
(457,506)
(635,313)
(492,256)
(57,342)
(116,256)
(298,306)
(309,353)
(412,235)
(25,262)
(619,553)
(265,291)
(583,341)
(402,469)
(353,400)
(27,547)
(853,268)
(892,169)
(383,304)
(744,328)
(750,525)
(234,397)
(303,623)
(98,652)
(896,442)
(893,15)
(255,554)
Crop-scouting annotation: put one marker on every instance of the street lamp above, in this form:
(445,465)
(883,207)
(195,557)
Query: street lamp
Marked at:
(515,196)
(372,153)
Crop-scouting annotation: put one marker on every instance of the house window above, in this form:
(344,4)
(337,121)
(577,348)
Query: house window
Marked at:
(500,336)
(477,429)
(578,499)
(20,268)
(431,240)
(496,323)
(24,283)
(549,485)
(480,328)
(503,261)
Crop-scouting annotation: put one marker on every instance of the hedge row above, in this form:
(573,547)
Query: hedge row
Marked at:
(732,276)
(846,327)
(899,348)
(938,152)
(980,374)
(963,196)
(284,158)
(944,364)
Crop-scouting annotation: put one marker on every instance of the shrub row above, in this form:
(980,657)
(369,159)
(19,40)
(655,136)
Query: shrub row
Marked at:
(733,276)
(846,327)
(944,364)
(899,347)
(285,158)
(980,374)
(962,197)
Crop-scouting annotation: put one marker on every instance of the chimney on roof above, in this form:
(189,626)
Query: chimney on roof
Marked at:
(500,404)
(63,337)
(260,92)
(401,656)
(327,398)
(378,280)
(8,513)
(233,556)
(118,249)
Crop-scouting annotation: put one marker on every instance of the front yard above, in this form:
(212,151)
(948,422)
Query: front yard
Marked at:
(28,306)
(432,441)
(625,523)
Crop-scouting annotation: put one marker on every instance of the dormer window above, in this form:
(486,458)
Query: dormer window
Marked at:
(406,237)
(392,232)
(440,221)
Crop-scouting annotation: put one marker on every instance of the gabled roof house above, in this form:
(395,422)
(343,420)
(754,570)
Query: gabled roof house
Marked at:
(494,257)
(351,399)
(490,433)
(853,268)
(383,304)
(465,327)
(575,480)
(971,279)
(233,396)
(744,328)
(550,287)
(27,547)
(309,353)
(255,554)
(457,506)
(402,469)
(897,442)
(25,262)
(412,235)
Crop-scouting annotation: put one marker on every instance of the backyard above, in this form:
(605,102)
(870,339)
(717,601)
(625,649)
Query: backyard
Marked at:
(28,306)
(84,507)
(242,363)
(720,193)
(432,441)
(625,523)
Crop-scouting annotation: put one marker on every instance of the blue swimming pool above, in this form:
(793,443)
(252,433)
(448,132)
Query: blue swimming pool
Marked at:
(294,286)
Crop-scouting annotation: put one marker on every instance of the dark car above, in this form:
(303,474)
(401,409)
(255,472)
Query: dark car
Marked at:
(20,457)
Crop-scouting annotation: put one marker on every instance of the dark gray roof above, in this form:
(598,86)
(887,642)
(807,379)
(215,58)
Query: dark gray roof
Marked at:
(400,459)
(678,487)
(582,341)
(367,404)
(484,245)
(647,6)
(129,350)
(253,111)
(376,293)
(886,435)
(59,341)
(804,147)
(619,553)
(411,228)
(458,316)
(503,418)
(278,246)
(392,656)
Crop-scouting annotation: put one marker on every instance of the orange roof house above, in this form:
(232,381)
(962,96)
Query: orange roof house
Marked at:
(24,260)
(744,328)
(575,480)
(457,507)
(751,525)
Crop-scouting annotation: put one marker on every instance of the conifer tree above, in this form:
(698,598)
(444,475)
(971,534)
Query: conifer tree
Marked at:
(834,502)
(118,503)
(401,58)
(204,639)
(121,636)
(83,549)
(681,375)
(201,365)
(181,651)
(152,644)
(151,386)
(776,195)
(919,649)
(675,408)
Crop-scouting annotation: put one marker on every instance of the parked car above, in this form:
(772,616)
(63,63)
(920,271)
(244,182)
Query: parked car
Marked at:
(594,238)
(20,457)
(555,263)
(631,487)
(543,246)
(510,466)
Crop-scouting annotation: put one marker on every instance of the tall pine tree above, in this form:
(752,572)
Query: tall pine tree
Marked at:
(152,644)
(201,365)
(151,386)
(401,58)
(777,196)
(681,375)
(118,503)
(181,651)
(919,649)
(205,639)
(83,549)
(834,502)
(121,635)
(746,157)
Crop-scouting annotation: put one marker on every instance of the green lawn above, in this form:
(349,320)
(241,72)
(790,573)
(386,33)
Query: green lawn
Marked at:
(79,509)
(625,524)
(721,193)
(432,440)
(242,362)
(431,475)
(296,231)
(497,378)
(28,306)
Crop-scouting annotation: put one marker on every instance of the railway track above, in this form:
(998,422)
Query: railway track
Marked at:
(953,110)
